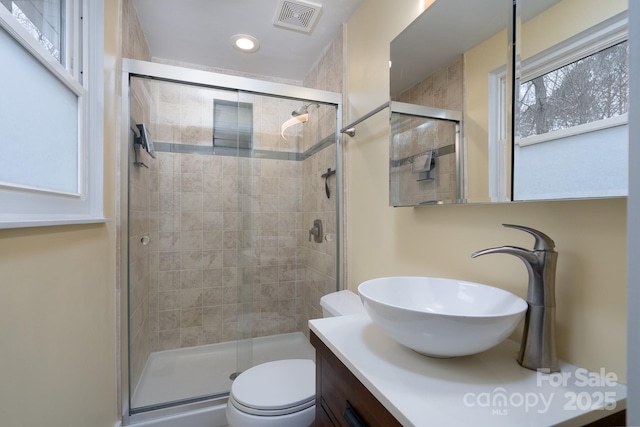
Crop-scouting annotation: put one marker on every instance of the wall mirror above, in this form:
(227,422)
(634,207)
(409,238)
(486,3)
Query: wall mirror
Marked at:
(514,139)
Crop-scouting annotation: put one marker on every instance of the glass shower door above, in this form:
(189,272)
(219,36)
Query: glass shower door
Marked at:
(190,227)
(244,237)
(221,273)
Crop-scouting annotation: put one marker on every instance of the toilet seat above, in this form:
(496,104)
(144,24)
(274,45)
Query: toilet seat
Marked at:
(275,388)
(271,412)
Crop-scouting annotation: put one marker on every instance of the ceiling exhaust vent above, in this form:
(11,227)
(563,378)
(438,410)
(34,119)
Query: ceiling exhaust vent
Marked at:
(297,15)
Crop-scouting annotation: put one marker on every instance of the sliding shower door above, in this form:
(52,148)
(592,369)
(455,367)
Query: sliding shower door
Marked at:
(223,272)
(190,222)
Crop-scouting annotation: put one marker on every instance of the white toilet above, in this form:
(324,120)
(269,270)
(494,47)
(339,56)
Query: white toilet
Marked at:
(282,393)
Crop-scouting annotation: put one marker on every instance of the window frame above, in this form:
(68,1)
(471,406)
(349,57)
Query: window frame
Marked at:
(24,206)
(497,133)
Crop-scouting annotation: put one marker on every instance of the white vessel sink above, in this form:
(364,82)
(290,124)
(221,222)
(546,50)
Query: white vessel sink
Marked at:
(442,317)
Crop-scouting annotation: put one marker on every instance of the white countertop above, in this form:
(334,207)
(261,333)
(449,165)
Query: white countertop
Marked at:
(487,389)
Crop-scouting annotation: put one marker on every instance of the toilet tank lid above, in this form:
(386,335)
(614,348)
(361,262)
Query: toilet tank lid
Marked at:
(342,303)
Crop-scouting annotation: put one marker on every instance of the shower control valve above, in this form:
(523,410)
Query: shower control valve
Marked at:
(316,231)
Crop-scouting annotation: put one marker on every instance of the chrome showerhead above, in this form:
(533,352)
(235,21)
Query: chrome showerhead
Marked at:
(303,109)
(299,115)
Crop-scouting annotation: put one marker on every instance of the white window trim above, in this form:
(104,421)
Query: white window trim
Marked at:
(22,206)
(497,147)
(22,36)
(555,135)
(606,34)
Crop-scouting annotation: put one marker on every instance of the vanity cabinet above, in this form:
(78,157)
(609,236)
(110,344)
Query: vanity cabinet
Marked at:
(341,399)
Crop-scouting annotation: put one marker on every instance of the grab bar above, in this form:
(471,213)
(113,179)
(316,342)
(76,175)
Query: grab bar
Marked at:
(350,128)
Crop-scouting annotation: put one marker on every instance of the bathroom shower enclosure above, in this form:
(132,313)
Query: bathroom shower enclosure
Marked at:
(220,247)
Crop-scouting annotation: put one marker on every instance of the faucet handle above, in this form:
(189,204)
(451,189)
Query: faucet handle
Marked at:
(543,242)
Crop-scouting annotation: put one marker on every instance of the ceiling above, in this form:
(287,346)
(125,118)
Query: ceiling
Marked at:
(199,32)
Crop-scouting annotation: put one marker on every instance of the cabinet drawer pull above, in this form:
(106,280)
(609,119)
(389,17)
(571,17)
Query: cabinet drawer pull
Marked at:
(351,418)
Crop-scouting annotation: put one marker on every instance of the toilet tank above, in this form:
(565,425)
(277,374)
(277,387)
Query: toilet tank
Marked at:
(341,303)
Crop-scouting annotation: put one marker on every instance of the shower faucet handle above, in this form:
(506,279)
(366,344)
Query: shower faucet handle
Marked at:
(316,231)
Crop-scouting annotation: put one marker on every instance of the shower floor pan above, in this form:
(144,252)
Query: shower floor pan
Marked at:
(187,373)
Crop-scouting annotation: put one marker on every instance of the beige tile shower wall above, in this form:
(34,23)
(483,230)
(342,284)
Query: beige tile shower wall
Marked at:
(442,89)
(189,253)
(184,115)
(277,301)
(181,114)
(326,74)
(204,206)
(134,44)
(319,260)
(268,116)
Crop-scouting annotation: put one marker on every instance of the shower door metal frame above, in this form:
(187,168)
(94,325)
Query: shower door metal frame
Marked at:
(170,73)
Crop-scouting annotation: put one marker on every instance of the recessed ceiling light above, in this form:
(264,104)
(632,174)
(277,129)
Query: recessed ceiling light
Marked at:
(245,43)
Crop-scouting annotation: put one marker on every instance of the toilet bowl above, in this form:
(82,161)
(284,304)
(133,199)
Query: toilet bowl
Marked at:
(282,393)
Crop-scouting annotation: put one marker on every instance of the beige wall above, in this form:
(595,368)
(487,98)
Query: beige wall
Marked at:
(438,240)
(57,306)
(567,18)
(478,63)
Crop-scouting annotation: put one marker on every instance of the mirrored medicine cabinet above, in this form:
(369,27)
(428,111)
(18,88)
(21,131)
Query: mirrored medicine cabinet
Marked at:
(500,101)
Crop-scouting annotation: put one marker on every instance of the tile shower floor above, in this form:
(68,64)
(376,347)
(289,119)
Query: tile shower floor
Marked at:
(185,373)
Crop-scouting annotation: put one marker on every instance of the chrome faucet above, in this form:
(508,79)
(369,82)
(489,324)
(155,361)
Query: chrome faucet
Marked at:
(538,346)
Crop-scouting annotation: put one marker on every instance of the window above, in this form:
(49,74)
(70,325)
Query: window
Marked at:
(43,20)
(50,112)
(593,89)
(570,131)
